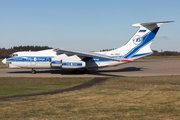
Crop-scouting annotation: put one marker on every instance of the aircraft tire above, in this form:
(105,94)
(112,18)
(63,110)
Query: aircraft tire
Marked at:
(33,72)
(80,72)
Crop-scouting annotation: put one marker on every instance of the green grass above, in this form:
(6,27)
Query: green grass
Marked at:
(118,98)
(15,86)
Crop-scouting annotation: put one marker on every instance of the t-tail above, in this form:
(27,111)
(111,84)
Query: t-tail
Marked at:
(139,45)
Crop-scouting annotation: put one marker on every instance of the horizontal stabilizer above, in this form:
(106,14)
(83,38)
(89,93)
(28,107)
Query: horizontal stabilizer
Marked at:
(151,24)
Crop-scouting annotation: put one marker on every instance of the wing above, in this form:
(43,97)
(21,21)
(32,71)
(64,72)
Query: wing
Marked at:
(85,54)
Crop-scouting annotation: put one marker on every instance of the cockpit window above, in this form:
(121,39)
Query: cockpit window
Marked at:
(13,55)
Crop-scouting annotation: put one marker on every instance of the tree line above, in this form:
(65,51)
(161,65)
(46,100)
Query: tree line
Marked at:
(165,53)
(6,52)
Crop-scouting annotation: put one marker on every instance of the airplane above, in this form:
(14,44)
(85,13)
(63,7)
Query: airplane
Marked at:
(81,62)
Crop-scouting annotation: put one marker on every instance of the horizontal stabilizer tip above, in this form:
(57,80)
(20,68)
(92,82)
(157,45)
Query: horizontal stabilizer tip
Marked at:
(170,21)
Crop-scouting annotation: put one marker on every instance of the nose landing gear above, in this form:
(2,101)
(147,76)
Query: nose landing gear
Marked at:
(33,71)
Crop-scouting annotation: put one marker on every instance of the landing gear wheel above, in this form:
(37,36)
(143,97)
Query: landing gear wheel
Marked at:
(80,72)
(33,71)
(86,71)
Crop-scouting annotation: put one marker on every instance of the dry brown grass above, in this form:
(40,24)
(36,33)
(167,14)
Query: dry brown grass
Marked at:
(117,98)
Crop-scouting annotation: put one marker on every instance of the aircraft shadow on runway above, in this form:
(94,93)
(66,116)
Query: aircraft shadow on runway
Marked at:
(127,69)
(108,72)
(97,72)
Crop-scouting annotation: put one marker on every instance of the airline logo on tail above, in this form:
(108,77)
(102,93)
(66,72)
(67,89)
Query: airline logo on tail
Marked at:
(137,39)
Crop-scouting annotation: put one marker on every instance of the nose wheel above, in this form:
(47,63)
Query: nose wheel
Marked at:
(33,71)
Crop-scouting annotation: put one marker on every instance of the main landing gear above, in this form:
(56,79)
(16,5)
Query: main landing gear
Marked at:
(80,71)
(33,71)
(86,71)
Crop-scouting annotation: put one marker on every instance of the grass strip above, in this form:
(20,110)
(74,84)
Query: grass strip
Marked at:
(16,86)
(117,98)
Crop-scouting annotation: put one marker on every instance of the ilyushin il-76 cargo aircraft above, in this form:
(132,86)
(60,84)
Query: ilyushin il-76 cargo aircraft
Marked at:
(81,62)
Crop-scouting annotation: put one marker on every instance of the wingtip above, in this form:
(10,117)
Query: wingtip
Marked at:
(127,60)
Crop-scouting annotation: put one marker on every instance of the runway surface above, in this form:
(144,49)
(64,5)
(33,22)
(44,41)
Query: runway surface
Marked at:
(144,68)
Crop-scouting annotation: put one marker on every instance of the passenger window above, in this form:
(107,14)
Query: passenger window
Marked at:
(13,55)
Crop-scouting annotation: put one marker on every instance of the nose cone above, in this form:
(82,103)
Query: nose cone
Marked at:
(4,61)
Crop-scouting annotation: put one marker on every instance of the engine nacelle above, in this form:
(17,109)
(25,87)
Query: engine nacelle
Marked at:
(64,62)
(56,63)
(57,60)
(67,64)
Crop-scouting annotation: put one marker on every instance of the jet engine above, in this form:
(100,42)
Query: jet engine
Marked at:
(65,62)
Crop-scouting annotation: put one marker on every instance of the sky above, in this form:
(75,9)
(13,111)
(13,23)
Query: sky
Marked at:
(88,25)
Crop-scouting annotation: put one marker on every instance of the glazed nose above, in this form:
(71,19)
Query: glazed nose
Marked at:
(4,61)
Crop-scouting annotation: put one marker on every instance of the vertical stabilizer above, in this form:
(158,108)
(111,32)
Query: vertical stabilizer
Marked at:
(139,45)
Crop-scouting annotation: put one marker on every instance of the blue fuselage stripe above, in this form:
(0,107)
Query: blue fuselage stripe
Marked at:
(29,59)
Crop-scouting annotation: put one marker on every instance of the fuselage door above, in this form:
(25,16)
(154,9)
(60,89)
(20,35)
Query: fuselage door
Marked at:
(33,62)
